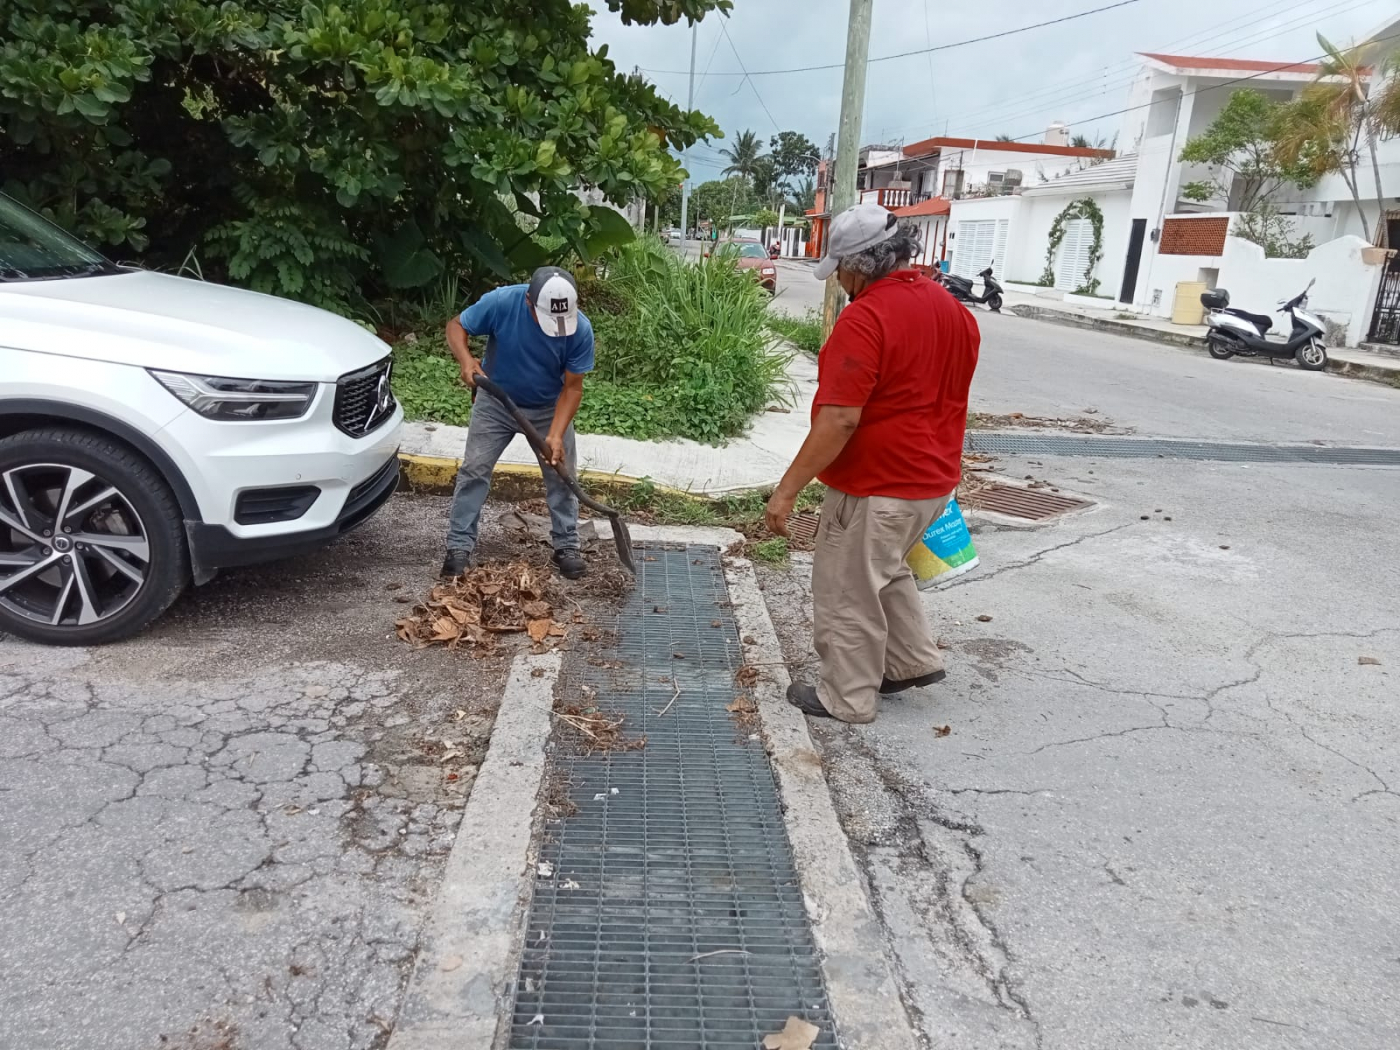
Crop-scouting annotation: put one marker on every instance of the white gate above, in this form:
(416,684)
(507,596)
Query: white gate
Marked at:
(1074,254)
(980,243)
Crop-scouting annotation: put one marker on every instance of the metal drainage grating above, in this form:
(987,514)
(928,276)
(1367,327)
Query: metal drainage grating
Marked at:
(1167,448)
(1017,502)
(671,914)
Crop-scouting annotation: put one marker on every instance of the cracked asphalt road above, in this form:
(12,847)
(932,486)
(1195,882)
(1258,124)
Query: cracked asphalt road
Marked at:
(1166,814)
(224,834)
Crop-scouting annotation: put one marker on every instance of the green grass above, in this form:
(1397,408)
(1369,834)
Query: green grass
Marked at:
(680,352)
(743,511)
(803,332)
(774,551)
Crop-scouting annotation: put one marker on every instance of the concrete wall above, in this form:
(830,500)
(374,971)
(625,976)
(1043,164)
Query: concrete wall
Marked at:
(1038,214)
(1345,291)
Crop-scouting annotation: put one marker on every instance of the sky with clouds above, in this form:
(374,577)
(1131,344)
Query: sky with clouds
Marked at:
(1073,72)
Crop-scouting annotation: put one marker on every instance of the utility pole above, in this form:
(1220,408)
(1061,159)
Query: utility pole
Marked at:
(841,187)
(685,157)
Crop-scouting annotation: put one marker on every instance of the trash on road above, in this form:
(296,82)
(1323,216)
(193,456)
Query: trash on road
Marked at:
(797,1034)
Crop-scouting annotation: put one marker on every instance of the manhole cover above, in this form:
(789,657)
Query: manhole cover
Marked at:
(1029,504)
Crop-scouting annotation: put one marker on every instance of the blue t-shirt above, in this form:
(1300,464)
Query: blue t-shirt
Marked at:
(519,356)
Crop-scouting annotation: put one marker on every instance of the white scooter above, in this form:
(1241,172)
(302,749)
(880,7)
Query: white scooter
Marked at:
(1238,332)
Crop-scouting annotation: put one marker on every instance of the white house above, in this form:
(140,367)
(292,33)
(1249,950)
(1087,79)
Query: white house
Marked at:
(1012,233)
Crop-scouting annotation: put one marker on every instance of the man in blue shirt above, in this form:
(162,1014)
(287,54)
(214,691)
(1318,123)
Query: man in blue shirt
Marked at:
(538,349)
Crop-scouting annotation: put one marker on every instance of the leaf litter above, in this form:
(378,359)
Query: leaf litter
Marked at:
(489,600)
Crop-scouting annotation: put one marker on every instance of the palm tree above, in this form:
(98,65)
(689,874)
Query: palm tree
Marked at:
(745,162)
(1324,127)
(743,155)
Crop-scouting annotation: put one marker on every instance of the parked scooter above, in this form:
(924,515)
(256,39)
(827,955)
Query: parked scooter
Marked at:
(1238,332)
(774,250)
(961,287)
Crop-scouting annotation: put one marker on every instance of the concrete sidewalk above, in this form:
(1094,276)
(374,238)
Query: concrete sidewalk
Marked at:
(1359,364)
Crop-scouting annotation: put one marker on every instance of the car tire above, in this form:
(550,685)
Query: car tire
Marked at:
(127,558)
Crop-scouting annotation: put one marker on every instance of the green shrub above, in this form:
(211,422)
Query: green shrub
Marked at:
(686,356)
(680,352)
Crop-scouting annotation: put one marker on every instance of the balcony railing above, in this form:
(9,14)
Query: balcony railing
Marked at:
(889,197)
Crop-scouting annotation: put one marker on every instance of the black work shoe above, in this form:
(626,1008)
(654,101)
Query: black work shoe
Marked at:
(805,699)
(570,562)
(898,685)
(456,563)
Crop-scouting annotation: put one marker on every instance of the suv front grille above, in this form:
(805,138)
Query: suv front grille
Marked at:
(364,399)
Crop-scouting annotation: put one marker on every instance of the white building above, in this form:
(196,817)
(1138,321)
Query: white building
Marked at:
(1154,246)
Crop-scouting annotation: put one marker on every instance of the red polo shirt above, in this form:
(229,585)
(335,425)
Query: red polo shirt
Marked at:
(904,352)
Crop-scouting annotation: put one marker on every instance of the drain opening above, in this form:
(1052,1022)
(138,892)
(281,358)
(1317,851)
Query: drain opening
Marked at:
(1027,504)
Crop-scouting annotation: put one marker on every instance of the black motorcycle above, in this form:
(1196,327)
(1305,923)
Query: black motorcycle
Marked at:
(961,288)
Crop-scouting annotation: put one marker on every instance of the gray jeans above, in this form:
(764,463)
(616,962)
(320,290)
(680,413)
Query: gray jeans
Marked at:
(490,432)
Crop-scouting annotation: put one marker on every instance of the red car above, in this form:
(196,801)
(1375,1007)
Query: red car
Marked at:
(751,256)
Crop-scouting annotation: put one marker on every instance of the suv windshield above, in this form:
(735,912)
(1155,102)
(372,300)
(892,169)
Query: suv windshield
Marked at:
(32,248)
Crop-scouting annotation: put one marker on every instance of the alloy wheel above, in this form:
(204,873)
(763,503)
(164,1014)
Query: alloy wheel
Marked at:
(73,549)
(1313,354)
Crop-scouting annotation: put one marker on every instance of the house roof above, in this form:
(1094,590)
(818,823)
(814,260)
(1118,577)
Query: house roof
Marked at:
(1111,174)
(932,206)
(918,149)
(1186,64)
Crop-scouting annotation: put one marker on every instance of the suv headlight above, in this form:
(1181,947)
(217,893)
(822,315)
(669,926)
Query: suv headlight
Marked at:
(239,400)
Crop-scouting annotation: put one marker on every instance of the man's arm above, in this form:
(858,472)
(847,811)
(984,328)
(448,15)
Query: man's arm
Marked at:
(564,411)
(461,350)
(830,432)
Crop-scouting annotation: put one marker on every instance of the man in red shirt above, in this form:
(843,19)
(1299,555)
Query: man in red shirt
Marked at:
(887,434)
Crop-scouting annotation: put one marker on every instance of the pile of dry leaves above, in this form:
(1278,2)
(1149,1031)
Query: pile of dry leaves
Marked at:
(596,731)
(487,601)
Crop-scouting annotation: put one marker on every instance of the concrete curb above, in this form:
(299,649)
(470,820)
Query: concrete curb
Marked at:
(437,475)
(860,981)
(1353,369)
(464,980)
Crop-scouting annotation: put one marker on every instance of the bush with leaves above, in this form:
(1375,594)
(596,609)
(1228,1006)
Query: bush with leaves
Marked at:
(334,152)
(681,352)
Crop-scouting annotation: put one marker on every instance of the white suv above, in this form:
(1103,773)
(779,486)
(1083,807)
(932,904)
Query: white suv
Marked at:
(154,430)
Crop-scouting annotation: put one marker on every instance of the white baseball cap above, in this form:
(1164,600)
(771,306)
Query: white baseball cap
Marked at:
(859,227)
(553,294)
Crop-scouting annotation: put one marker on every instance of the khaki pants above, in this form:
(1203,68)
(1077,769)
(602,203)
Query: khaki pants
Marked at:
(867,620)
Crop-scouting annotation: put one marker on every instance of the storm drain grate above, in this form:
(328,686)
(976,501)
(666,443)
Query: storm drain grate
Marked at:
(1166,448)
(1016,502)
(666,910)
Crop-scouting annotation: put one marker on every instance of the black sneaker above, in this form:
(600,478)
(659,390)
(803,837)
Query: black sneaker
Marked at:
(570,562)
(898,685)
(456,563)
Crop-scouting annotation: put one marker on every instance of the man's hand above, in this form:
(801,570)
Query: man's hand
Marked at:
(554,449)
(780,506)
(471,368)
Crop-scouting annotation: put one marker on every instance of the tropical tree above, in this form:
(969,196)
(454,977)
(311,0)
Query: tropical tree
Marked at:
(718,200)
(1326,125)
(743,155)
(1008,138)
(1241,148)
(333,152)
(807,194)
(794,155)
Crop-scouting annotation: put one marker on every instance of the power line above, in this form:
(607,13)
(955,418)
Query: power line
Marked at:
(904,54)
(748,79)
(1074,91)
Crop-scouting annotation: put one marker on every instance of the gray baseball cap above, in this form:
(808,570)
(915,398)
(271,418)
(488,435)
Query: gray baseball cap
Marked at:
(859,227)
(553,294)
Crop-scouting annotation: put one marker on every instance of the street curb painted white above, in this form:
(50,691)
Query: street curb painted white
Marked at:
(859,975)
(463,982)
